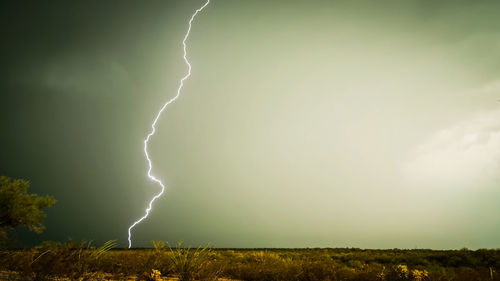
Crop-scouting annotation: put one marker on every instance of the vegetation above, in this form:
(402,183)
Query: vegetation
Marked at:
(19,208)
(80,261)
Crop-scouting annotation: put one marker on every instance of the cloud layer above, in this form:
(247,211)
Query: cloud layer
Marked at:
(466,154)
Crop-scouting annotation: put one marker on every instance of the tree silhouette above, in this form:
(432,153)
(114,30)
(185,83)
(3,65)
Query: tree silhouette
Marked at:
(19,208)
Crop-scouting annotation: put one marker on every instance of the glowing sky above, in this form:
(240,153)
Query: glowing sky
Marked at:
(372,124)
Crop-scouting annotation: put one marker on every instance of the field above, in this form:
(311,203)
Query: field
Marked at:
(80,261)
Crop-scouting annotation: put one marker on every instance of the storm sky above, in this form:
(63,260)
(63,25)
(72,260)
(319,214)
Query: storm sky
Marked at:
(371,124)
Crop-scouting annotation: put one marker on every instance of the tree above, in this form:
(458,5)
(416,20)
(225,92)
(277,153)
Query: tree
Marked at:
(19,208)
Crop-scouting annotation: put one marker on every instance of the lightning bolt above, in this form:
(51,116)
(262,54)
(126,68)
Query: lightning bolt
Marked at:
(153,128)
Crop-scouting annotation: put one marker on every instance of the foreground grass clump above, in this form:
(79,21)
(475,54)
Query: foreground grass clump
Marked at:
(71,259)
(80,261)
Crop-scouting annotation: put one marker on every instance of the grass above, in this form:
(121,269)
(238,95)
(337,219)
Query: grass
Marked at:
(80,261)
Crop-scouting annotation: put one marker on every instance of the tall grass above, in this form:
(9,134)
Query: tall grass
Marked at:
(73,260)
(188,263)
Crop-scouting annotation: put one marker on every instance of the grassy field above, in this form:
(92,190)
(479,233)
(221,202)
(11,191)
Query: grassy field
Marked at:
(80,261)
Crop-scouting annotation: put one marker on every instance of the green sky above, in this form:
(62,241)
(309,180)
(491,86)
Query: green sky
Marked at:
(371,124)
